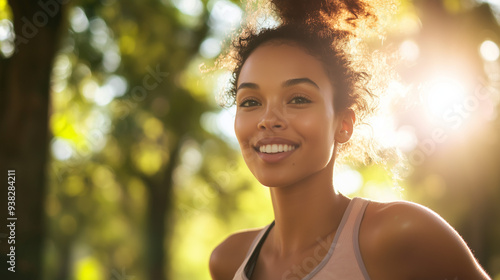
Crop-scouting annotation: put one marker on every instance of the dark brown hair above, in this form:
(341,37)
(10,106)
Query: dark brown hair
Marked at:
(327,30)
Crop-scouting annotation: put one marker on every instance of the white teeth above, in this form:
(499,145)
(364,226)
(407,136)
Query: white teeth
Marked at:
(276,148)
(269,148)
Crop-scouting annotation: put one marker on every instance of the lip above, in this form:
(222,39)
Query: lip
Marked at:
(274,140)
(275,157)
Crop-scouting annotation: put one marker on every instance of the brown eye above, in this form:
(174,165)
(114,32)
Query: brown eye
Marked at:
(300,100)
(249,103)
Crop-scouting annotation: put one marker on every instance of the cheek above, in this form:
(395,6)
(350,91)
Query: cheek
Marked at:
(242,128)
(317,127)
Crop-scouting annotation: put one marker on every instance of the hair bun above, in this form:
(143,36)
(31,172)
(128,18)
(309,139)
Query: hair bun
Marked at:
(321,11)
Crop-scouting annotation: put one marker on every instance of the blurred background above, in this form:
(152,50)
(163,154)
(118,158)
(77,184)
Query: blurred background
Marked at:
(126,168)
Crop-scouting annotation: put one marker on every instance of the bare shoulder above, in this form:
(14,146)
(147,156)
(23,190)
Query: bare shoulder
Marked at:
(227,257)
(418,242)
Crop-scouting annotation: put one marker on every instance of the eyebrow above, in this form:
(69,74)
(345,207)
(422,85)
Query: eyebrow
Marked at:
(292,82)
(287,83)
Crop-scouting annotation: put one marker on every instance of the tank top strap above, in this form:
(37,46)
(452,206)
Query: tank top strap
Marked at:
(355,237)
(344,260)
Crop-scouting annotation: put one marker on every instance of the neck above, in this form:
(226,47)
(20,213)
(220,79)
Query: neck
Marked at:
(305,212)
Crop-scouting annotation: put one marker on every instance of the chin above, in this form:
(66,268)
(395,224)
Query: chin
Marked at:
(275,181)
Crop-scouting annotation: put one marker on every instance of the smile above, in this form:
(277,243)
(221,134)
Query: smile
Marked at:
(275,148)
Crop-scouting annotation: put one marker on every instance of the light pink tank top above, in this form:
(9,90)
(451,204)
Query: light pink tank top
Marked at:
(343,260)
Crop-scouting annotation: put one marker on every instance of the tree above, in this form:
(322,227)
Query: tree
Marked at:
(24,104)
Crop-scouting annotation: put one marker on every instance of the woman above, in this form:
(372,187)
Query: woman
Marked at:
(298,98)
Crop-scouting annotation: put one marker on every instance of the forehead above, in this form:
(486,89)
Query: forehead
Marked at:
(275,62)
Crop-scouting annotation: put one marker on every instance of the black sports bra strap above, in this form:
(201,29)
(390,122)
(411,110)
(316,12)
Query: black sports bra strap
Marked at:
(250,266)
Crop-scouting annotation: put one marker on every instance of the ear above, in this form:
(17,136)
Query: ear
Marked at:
(346,124)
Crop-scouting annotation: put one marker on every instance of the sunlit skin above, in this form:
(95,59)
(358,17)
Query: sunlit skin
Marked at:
(285,97)
(279,103)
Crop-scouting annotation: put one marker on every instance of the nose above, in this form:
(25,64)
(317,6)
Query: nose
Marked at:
(272,119)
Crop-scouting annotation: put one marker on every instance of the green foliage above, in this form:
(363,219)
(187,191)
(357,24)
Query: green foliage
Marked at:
(128,99)
(130,106)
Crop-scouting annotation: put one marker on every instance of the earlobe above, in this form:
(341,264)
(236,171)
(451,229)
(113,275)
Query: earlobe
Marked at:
(346,125)
(342,136)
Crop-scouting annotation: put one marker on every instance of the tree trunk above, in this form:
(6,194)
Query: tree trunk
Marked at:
(159,213)
(24,103)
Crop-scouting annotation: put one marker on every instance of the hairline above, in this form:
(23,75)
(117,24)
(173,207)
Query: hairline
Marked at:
(280,40)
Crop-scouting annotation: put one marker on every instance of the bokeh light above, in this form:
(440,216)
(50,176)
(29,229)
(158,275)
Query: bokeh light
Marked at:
(489,50)
(61,149)
(409,50)
(347,180)
(210,48)
(189,7)
(224,16)
(78,19)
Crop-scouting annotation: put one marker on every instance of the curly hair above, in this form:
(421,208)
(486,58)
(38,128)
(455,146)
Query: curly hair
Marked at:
(328,30)
(348,83)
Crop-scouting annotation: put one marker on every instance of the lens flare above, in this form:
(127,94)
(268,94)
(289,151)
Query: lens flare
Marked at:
(443,95)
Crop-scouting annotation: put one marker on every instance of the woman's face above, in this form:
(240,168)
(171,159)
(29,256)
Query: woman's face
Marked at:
(285,122)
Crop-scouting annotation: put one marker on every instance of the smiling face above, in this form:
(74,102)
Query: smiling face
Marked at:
(285,120)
